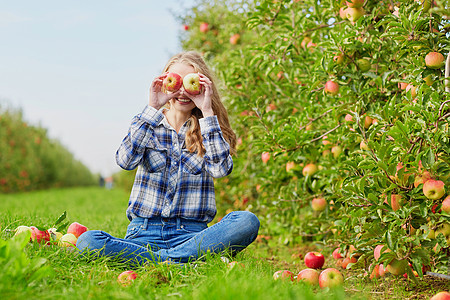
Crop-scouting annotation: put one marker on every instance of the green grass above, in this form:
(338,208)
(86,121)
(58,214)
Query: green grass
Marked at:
(71,276)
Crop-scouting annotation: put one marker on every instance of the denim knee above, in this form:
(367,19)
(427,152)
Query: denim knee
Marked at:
(249,223)
(91,240)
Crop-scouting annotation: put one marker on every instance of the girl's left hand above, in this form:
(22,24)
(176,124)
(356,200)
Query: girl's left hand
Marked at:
(203,100)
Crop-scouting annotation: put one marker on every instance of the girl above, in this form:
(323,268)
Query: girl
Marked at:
(178,151)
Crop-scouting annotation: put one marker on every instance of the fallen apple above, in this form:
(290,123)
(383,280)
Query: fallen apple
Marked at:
(21,229)
(76,229)
(330,277)
(126,277)
(314,260)
(336,254)
(441,296)
(310,276)
(39,236)
(68,240)
(283,275)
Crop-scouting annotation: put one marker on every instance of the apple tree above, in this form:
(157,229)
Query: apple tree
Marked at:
(338,102)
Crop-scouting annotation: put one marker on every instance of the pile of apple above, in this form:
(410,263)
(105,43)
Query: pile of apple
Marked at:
(329,277)
(52,236)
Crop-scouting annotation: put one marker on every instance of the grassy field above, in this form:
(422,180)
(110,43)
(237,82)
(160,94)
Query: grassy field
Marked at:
(64,274)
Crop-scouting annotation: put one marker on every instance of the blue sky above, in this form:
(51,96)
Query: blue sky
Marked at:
(82,69)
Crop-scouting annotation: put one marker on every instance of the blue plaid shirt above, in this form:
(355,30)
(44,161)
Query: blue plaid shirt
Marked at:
(170,181)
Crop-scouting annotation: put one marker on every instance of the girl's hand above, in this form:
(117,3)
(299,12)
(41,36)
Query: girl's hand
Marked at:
(157,97)
(203,100)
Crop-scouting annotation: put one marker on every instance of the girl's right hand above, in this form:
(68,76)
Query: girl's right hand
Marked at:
(157,97)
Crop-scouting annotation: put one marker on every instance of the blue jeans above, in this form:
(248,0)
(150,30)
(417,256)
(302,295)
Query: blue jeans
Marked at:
(173,239)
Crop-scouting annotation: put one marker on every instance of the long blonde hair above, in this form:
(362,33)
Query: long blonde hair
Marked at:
(194,140)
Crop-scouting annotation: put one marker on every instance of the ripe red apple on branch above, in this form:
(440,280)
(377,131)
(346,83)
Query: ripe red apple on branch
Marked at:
(331,88)
(319,204)
(265,157)
(434,60)
(446,205)
(355,3)
(204,27)
(433,189)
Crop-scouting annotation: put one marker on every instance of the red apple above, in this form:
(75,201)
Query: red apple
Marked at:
(397,267)
(283,275)
(235,38)
(68,240)
(318,204)
(377,251)
(309,169)
(314,260)
(364,146)
(434,189)
(290,165)
(446,205)
(396,201)
(348,118)
(76,229)
(422,178)
(172,82)
(331,87)
(186,27)
(310,276)
(342,13)
(354,13)
(434,60)
(330,278)
(191,84)
(411,88)
(336,150)
(338,59)
(355,3)
(39,235)
(336,254)
(265,156)
(367,122)
(126,277)
(375,272)
(204,27)
(348,260)
(441,296)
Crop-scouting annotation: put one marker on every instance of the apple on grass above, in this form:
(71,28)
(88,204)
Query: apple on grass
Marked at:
(283,275)
(310,276)
(318,204)
(68,240)
(191,83)
(126,277)
(314,260)
(330,277)
(172,82)
(21,229)
(54,234)
(76,229)
(336,254)
(348,260)
(433,189)
(38,235)
(441,296)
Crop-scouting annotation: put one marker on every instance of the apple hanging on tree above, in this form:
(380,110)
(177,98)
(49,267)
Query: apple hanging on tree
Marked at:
(433,189)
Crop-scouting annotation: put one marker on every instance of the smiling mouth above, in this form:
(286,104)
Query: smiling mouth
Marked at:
(183,100)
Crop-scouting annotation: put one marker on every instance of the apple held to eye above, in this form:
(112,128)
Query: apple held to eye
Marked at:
(172,82)
(191,84)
